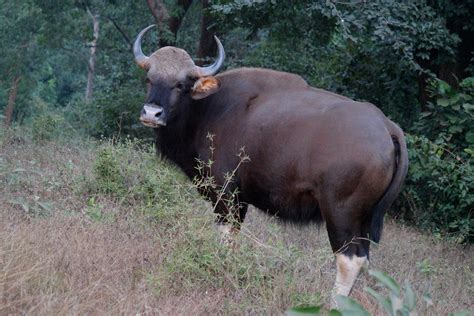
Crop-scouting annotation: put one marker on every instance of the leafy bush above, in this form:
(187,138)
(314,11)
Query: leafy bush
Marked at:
(375,50)
(108,175)
(438,194)
(113,112)
(46,126)
(448,121)
(438,191)
(46,123)
(131,173)
(117,112)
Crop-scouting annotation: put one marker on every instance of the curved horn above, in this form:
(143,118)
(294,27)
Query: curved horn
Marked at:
(140,58)
(214,68)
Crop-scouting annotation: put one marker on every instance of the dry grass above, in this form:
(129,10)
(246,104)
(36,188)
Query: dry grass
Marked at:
(58,256)
(65,265)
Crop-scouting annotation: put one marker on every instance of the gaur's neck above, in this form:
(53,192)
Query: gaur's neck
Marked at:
(177,145)
(178,141)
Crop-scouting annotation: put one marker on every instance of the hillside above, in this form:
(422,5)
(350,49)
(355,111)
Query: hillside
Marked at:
(91,227)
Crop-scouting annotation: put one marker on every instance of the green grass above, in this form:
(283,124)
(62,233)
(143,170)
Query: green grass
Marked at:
(106,228)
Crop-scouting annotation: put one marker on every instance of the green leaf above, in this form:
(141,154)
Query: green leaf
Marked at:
(47,206)
(453,129)
(403,311)
(427,298)
(443,102)
(469,151)
(470,137)
(443,87)
(335,312)
(386,280)
(349,307)
(383,301)
(468,107)
(304,310)
(410,297)
(463,313)
(455,98)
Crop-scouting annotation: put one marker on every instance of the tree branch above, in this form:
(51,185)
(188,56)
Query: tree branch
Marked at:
(119,29)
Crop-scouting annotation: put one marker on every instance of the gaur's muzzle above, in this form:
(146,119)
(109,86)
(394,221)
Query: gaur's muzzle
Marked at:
(152,115)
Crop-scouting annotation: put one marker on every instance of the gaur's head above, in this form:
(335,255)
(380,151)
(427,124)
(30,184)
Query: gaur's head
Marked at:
(173,81)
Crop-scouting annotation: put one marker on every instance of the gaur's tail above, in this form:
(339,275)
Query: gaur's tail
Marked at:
(394,188)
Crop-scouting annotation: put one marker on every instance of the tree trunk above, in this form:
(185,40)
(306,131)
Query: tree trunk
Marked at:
(161,15)
(423,95)
(11,101)
(207,45)
(91,66)
(163,19)
(175,21)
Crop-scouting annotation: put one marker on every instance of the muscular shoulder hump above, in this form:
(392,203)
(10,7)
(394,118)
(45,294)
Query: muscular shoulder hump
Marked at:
(264,79)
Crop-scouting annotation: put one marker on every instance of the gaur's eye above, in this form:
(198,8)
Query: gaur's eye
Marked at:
(179,86)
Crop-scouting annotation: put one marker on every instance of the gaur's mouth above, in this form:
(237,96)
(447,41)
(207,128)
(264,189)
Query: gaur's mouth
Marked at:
(153,124)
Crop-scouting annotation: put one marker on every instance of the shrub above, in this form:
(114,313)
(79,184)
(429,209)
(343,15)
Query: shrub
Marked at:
(448,120)
(47,122)
(108,175)
(438,191)
(438,194)
(132,174)
(45,126)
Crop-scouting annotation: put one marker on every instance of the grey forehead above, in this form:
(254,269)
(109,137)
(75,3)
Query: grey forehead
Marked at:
(170,63)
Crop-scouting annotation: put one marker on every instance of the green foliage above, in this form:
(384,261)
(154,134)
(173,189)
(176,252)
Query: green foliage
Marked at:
(116,112)
(393,42)
(399,302)
(34,208)
(48,123)
(373,51)
(438,194)
(347,307)
(44,126)
(304,310)
(96,213)
(108,175)
(438,191)
(130,173)
(449,119)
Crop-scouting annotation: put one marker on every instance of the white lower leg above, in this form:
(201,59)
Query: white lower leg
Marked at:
(348,269)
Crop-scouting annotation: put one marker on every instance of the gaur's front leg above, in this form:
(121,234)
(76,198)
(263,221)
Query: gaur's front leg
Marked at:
(230,216)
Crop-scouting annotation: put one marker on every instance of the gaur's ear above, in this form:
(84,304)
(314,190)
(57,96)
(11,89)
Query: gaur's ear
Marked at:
(205,86)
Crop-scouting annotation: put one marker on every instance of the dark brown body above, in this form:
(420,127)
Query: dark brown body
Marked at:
(314,155)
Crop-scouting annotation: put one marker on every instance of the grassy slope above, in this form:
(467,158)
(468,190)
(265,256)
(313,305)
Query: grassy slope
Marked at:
(100,228)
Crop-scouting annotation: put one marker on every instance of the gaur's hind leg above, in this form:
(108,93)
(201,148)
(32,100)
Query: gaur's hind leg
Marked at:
(350,244)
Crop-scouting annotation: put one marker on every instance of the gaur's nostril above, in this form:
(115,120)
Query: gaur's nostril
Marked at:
(143,112)
(158,113)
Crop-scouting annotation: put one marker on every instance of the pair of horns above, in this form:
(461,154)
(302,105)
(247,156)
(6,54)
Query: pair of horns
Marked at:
(142,60)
